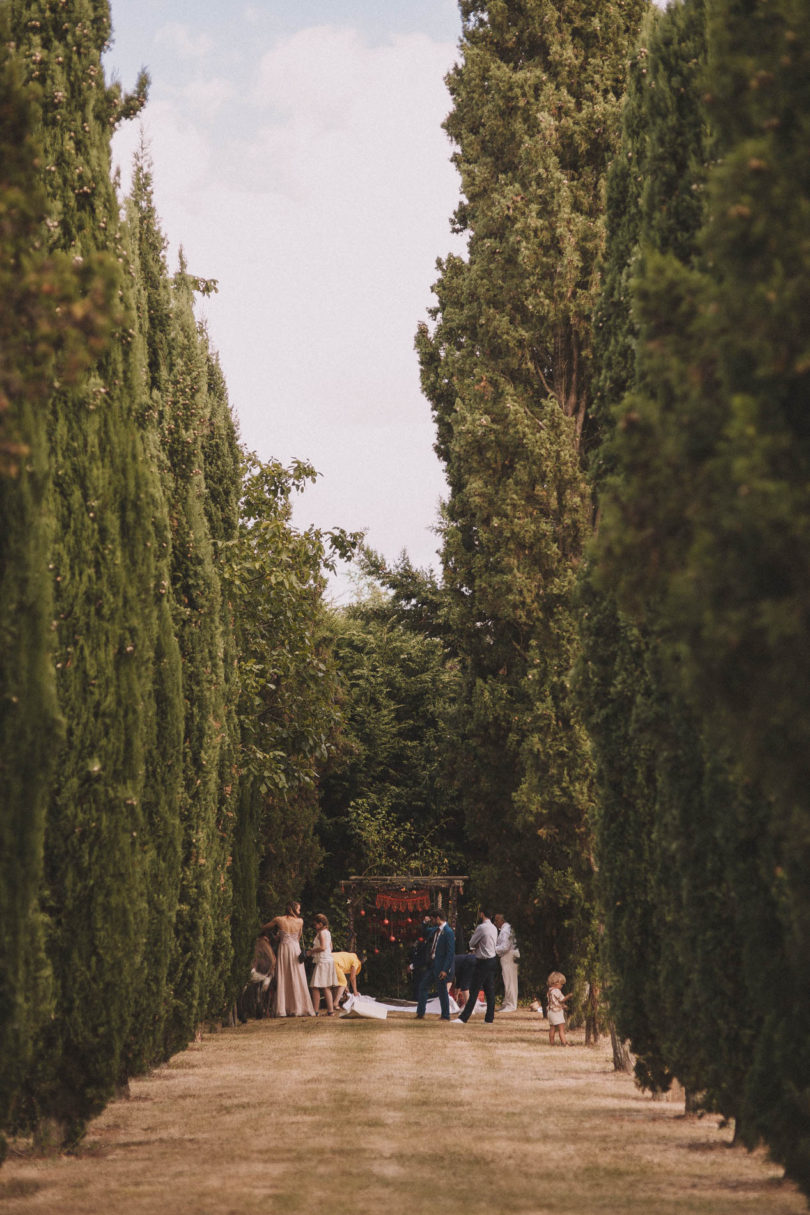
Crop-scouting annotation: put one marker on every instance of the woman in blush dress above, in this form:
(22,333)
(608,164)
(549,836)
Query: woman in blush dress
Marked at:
(292,997)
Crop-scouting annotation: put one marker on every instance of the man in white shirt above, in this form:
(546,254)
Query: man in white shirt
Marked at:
(505,950)
(482,944)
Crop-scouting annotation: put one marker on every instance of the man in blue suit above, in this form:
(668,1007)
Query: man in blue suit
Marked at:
(439,966)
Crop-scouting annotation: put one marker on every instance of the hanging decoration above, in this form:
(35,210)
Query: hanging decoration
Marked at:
(412,900)
(385,919)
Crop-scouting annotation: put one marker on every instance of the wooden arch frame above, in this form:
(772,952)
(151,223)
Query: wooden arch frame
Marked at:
(444,892)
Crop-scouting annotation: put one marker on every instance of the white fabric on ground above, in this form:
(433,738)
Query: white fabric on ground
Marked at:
(367,1006)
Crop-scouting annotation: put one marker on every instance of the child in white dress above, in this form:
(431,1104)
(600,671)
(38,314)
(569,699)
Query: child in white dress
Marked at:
(324,975)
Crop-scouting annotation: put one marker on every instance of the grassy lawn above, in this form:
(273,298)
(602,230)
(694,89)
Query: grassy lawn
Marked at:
(396,1117)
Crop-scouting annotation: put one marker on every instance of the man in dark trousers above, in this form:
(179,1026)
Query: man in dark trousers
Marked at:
(420,954)
(439,967)
(464,967)
(482,944)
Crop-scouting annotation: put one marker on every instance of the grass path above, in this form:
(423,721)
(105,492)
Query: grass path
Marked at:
(395,1118)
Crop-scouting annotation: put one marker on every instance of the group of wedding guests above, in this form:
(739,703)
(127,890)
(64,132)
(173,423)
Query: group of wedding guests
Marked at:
(466,975)
(332,972)
(280,955)
(492,947)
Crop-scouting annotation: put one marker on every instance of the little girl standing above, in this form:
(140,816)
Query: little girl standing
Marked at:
(324,976)
(556,1006)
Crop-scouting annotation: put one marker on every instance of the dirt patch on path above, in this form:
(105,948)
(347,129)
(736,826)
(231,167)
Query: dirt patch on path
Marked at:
(401,1118)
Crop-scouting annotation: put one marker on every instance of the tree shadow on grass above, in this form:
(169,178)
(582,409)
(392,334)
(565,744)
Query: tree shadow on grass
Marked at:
(19,1188)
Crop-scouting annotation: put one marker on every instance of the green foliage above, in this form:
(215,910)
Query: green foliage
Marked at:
(126,475)
(173,691)
(670,803)
(202,931)
(195,446)
(53,323)
(103,504)
(287,709)
(167,695)
(164,737)
(702,536)
(536,99)
(507,371)
(635,723)
(385,800)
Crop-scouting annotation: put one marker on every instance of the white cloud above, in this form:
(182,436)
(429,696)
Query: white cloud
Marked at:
(319,197)
(315,74)
(206,98)
(182,152)
(184,42)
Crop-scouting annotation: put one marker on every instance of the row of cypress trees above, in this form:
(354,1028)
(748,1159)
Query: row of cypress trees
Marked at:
(167,690)
(623,354)
(151,741)
(695,609)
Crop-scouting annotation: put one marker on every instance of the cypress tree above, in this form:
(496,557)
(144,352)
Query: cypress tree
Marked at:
(222,469)
(193,436)
(105,504)
(130,477)
(196,606)
(654,180)
(53,323)
(507,370)
(708,554)
(164,730)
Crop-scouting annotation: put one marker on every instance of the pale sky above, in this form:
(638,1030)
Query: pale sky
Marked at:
(299,159)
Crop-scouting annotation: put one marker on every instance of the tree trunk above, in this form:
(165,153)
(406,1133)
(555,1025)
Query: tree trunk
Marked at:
(592,1016)
(51,1135)
(622,1058)
(568,386)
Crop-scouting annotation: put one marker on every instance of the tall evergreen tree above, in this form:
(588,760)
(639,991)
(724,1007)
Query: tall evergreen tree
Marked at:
(188,422)
(106,507)
(653,201)
(53,324)
(164,734)
(202,960)
(704,514)
(507,371)
(672,858)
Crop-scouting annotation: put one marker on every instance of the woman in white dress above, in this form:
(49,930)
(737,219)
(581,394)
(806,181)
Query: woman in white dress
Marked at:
(324,975)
